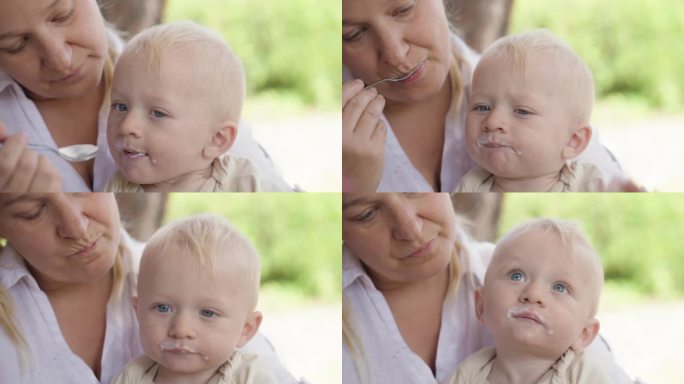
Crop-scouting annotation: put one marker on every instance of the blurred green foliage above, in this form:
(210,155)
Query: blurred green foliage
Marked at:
(634,47)
(291,47)
(299,236)
(637,235)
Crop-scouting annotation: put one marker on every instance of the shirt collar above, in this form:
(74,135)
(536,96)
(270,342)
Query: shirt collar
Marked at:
(12,268)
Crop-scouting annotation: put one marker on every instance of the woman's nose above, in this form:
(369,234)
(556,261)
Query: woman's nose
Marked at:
(57,54)
(392,47)
(72,222)
(408,225)
(181,327)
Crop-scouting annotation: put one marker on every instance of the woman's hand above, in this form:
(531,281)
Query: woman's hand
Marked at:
(363,137)
(23,170)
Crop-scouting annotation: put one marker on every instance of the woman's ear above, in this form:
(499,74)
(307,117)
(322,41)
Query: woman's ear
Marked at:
(589,333)
(221,140)
(579,139)
(250,328)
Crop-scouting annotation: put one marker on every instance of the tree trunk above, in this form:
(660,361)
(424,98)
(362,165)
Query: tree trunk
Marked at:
(480,21)
(132,16)
(141,213)
(482,211)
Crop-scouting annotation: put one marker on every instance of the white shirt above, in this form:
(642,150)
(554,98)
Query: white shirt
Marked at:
(400,175)
(388,359)
(52,361)
(50,358)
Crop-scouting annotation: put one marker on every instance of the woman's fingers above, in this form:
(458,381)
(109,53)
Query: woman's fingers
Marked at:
(46,177)
(370,117)
(23,170)
(349,89)
(21,177)
(356,107)
(10,155)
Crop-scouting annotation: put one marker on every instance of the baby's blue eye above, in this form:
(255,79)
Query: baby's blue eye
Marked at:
(481,108)
(560,288)
(517,276)
(163,308)
(158,114)
(207,313)
(120,107)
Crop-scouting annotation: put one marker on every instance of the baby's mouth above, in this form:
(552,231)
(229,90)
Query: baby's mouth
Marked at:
(491,142)
(131,153)
(178,348)
(525,313)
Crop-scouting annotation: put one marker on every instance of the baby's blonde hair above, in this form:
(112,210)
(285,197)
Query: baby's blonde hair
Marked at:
(207,238)
(571,237)
(204,52)
(570,69)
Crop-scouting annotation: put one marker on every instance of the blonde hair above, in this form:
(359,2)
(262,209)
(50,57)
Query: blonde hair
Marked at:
(571,237)
(206,238)
(8,320)
(572,71)
(204,52)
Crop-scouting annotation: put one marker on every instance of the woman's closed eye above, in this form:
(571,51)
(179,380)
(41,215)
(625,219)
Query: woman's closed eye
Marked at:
(16,48)
(353,35)
(33,213)
(64,17)
(366,215)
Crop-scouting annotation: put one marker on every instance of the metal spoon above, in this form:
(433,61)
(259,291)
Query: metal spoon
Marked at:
(74,153)
(393,79)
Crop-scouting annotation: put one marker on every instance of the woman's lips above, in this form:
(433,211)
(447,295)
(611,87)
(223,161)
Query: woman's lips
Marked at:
(417,74)
(87,250)
(422,251)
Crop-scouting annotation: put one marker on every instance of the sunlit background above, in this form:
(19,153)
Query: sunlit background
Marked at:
(638,237)
(292,54)
(299,238)
(635,50)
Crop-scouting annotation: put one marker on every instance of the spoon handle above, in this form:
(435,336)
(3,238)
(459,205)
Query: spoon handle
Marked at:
(376,83)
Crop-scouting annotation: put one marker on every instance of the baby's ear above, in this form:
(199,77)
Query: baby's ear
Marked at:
(479,304)
(250,328)
(221,140)
(579,139)
(589,333)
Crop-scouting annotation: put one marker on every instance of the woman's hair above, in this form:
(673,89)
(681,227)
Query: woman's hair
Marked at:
(572,72)
(204,52)
(206,238)
(350,336)
(8,320)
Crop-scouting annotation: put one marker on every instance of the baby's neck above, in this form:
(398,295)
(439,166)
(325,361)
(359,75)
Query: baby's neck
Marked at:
(165,376)
(518,368)
(188,182)
(543,183)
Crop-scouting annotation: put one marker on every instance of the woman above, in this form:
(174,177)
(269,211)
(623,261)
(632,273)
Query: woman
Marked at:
(56,63)
(66,283)
(407,136)
(408,275)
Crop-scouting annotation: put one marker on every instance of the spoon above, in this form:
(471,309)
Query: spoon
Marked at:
(393,79)
(74,153)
